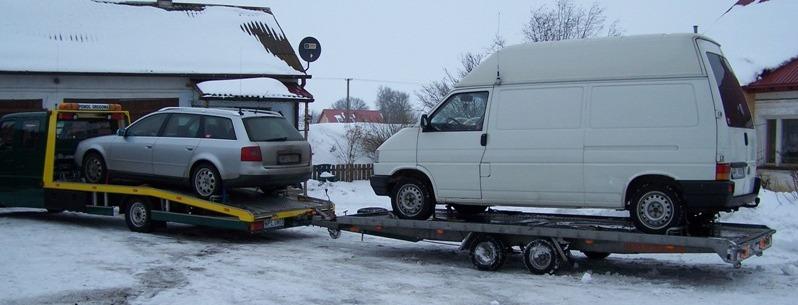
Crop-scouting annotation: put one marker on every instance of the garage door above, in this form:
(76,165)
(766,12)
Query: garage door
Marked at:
(136,107)
(13,106)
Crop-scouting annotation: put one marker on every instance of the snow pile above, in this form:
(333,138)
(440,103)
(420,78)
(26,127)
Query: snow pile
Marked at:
(587,278)
(326,140)
(260,87)
(779,211)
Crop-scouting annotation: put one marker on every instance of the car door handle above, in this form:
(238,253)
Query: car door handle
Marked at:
(189,148)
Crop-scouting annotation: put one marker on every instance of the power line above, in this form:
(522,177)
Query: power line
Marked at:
(369,80)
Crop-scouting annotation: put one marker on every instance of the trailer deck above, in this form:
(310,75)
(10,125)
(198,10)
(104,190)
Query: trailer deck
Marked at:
(594,235)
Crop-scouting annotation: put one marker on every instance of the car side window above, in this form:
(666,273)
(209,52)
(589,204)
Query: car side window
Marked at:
(461,112)
(147,127)
(218,128)
(7,135)
(182,126)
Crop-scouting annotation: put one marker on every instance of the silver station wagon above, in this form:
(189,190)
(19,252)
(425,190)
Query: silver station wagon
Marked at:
(208,149)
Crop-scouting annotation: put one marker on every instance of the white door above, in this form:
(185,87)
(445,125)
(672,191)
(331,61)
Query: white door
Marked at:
(534,147)
(450,146)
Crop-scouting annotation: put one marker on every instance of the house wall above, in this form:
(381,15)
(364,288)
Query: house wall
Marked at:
(53,89)
(774,106)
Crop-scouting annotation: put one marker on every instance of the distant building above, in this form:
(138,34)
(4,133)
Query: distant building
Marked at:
(350,116)
(775,96)
(146,55)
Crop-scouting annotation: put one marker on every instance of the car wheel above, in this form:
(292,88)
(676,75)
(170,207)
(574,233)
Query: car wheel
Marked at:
(488,253)
(540,257)
(469,209)
(656,208)
(206,181)
(138,214)
(412,199)
(94,169)
(596,255)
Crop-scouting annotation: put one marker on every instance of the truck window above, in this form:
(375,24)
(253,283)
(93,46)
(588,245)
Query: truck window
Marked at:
(731,94)
(84,129)
(7,134)
(31,135)
(461,112)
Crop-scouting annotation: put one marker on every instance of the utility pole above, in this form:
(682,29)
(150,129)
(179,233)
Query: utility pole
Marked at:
(348,105)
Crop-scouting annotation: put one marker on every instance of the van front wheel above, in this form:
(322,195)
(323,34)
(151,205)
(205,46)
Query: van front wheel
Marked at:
(656,208)
(412,199)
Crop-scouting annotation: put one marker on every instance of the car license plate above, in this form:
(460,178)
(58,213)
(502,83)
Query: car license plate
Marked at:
(288,159)
(274,223)
(738,172)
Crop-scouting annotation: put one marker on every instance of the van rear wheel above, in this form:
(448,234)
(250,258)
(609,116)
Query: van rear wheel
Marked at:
(656,208)
(412,199)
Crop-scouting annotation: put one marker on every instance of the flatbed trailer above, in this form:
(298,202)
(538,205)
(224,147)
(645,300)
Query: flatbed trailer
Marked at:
(546,240)
(148,207)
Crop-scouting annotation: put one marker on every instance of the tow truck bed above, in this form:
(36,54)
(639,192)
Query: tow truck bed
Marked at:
(597,234)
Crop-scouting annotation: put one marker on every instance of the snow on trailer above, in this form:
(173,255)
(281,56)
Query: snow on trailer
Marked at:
(146,207)
(546,240)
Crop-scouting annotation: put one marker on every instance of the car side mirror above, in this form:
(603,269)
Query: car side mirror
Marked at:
(425,123)
(122,132)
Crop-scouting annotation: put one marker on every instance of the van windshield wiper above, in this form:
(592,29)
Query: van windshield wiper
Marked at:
(276,139)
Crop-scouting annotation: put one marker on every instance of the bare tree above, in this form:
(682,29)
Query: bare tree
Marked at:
(349,150)
(395,106)
(567,20)
(431,94)
(354,104)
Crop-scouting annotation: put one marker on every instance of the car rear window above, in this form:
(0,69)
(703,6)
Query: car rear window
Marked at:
(265,129)
(734,104)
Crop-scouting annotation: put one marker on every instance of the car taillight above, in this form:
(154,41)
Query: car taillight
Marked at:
(251,153)
(722,171)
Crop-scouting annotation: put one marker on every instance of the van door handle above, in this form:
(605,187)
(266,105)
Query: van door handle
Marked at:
(746,138)
(484,139)
(148,146)
(189,148)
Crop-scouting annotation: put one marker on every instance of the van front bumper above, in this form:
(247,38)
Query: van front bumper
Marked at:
(380,184)
(717,195)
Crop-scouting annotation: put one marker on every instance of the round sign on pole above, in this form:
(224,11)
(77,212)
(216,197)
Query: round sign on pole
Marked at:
(309,49)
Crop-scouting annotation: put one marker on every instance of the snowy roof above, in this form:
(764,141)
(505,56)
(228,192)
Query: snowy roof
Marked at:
(782,78)
(672,55)
(344,116)
(86,36)
(253,88)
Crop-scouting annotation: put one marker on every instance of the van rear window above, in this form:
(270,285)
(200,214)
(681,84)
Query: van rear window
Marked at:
(734,104)
(271,129)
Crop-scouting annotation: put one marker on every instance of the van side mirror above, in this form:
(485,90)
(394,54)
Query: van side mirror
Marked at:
(425,124)
(122,132)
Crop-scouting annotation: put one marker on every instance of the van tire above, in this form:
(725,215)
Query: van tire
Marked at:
(94,169)
(467,210)
(655,208)
(411,198)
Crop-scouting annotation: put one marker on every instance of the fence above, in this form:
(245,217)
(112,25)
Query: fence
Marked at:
(343,172)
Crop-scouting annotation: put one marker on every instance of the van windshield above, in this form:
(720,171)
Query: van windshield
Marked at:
(734,104)
(271,129)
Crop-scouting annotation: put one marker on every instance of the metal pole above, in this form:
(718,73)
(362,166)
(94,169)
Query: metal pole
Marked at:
(348,105)
(307,129)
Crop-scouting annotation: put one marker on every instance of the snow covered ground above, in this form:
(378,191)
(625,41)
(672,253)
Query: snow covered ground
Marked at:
(74,258)
(324,137)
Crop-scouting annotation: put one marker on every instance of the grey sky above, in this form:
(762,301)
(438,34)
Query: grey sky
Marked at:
(403,44)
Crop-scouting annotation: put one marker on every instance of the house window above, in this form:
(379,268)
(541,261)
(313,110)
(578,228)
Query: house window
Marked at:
(781,142)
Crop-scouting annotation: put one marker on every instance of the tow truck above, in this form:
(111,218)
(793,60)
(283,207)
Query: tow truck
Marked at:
(545,241)
(39,171)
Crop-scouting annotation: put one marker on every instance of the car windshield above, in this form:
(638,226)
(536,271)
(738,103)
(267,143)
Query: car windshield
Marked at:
(266,129)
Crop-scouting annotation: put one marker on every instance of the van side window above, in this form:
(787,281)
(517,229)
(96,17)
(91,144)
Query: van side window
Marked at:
(31,135)
(7,135)
(218,128)
(461,112)
(731,94)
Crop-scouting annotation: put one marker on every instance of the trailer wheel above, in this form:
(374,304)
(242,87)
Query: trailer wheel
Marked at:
(596,255)
(540,257)
(467,210)
(656,208)
(488,253)
(138,216)
(412,199)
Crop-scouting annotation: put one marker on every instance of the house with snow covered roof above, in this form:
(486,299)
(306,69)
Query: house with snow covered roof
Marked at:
(349,116)
(775,96)
(146,55)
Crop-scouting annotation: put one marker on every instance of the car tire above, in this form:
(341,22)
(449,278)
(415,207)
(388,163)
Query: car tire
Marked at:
(488,253)
(468,210)
(94,169)
(138,215)
(411,198)
(596,255)
(656,208)
(206,181)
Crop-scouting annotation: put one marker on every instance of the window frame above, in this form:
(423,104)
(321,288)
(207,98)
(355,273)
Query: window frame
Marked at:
(166,122)
(448,100)
(138,122)
(779,138)
(205,119)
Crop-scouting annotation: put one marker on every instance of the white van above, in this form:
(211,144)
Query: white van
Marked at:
(654,124)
